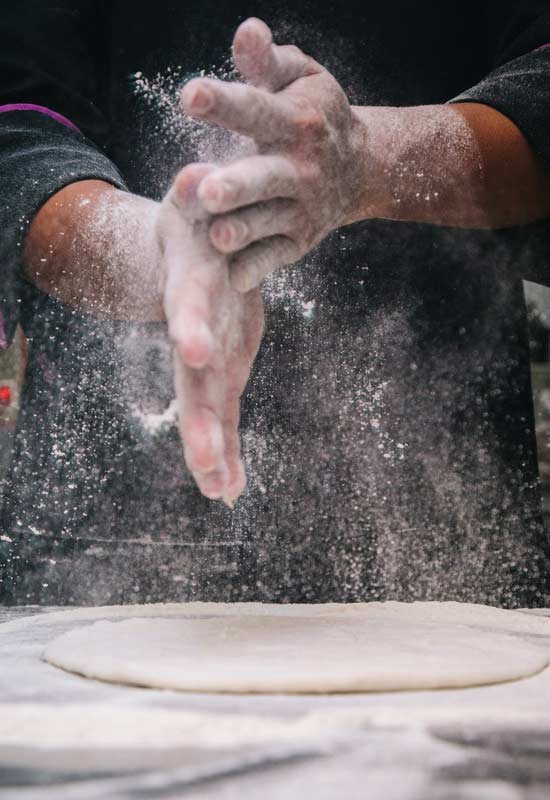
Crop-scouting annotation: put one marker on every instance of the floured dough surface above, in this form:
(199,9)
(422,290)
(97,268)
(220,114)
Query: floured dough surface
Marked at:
(293,649)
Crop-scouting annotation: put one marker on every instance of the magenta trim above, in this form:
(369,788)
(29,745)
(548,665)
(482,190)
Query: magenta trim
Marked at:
(543,47)
(42,110)
(3,337)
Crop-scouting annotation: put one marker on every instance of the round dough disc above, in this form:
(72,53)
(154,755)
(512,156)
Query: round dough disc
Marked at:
(378,647)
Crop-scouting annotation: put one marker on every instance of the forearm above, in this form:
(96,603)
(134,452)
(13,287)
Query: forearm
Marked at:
(464,165)
(94,247)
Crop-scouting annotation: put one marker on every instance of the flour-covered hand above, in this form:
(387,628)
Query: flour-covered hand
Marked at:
(216,333)
(303,181)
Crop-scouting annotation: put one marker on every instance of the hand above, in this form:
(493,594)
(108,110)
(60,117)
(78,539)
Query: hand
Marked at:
(216,334)
(304,180)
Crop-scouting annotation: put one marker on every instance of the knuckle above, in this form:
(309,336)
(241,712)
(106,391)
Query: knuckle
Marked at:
(303,241)
(295,251)
(309,178)
(296,217)
(311,122)
(307,230)
(300,234)
(265,259)
(299,61)
(293,50)
(189,173)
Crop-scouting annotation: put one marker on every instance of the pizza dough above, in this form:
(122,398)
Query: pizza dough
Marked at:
(294,649)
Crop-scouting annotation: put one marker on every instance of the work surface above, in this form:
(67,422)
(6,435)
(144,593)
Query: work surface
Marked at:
(487,743)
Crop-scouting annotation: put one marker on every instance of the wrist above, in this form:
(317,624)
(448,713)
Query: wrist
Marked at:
(418,164)
(369,137)
(120,234)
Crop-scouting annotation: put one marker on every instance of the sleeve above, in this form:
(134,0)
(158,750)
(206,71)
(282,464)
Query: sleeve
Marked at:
(52,129)
(518,83)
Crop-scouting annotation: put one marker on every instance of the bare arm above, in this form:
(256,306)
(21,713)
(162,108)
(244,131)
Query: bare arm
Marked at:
(322,164)
(319,164)
(94,247)
(464,165)
(113,254)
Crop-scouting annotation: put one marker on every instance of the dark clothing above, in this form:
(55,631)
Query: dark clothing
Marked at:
(387,427)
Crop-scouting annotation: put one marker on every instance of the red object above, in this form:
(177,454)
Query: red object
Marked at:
(5,395)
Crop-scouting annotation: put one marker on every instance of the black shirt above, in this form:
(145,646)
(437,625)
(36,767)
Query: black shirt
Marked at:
(387,427)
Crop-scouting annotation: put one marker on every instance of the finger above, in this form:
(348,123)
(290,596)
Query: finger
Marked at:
(193,269)
(265,64)
(183,193)
(251,180)
(212,482)
(201,409)
(185,296)
(187,309)
(237,479)
(235,231)
(253,311)
(241,108)
(253,308)
(250,266)
(200,406)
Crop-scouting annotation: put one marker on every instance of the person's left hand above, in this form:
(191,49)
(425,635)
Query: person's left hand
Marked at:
(304,180)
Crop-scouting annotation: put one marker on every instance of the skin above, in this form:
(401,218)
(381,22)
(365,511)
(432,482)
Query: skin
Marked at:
(112,254)
(322,163)
(315,163)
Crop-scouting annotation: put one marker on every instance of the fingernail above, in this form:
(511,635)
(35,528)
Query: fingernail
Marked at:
(228,501)
(215,193)
(201,100)
(230,234)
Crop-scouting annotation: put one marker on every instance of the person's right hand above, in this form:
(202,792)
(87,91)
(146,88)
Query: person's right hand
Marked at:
(216,333)
(310,166)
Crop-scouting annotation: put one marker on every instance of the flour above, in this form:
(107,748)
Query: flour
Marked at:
(84,726)
(154,422)
(358,487)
